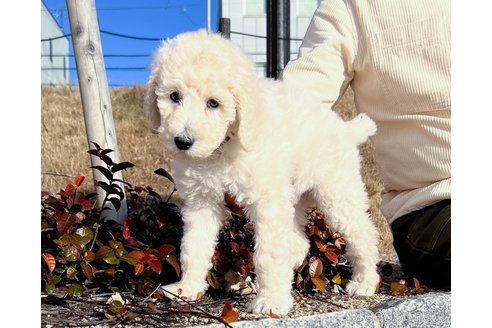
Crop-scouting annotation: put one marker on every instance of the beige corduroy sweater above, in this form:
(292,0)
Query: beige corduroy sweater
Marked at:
(395,54)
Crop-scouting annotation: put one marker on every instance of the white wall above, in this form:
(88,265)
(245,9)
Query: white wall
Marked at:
(255,23)
(51,51)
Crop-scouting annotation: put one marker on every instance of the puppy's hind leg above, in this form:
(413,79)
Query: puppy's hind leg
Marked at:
(201,227)
(300,243)
(345,205)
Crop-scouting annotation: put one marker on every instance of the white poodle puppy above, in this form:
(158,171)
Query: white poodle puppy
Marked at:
(275,148)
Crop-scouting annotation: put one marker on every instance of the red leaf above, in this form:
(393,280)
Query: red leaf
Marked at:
(320,243)
(50,261)
(126,229)
(416,283)
(64,222)
(136,255)
(164,250)
(88,271)
(69,188)
(273,315)
(332,257)
(229,314)
(155,265)
(83,202)
(139,269)
(79,180)
(103,251)
(174,262)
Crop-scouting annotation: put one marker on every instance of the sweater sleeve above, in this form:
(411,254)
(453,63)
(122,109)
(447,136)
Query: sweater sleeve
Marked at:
(326,56)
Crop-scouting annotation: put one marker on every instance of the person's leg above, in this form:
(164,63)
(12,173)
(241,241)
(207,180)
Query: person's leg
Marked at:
(422,240)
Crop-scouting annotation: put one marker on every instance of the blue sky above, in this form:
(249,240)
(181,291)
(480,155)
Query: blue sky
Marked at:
(142,18)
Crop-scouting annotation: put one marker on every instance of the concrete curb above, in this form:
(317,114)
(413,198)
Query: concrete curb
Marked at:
(427,310)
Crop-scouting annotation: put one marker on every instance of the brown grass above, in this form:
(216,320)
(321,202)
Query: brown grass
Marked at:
(64,146)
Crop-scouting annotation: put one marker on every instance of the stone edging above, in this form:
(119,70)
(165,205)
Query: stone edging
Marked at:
(427,310)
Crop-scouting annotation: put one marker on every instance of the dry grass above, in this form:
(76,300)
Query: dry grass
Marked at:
(64,146)
(64,142)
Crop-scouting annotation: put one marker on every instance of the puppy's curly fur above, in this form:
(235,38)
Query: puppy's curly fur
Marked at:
(276,149)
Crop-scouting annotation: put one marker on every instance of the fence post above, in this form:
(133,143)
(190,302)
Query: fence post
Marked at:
(94,92)
(225,27)
(278,36)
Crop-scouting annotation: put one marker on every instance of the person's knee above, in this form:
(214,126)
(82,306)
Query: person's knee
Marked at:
(422,240)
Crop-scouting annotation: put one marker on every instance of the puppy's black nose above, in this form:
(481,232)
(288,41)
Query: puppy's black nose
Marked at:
(183,142)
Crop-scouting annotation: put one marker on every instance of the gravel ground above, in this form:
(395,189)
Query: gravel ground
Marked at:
(93,311)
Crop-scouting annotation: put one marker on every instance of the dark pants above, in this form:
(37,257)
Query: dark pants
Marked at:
(422,240)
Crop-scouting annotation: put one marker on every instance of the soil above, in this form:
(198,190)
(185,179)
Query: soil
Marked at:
(93,311)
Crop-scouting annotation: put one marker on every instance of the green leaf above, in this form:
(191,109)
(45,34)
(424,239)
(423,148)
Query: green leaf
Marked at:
(399,287)
(299,279)
(70,253)
(49,287)
(128,260)
(111,258)
(118,247)
(63,240)
(56,279)
(107,254)
(72,272)
(116,307)
(85,233)
(75,290)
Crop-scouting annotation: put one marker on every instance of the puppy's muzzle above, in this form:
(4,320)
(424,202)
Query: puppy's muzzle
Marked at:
(183,142)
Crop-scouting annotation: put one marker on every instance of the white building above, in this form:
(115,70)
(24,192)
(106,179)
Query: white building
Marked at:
(54,51)
(249,17)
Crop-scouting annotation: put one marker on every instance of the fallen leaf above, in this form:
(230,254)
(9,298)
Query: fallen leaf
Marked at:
(273,315)
(229,314)
(399,287)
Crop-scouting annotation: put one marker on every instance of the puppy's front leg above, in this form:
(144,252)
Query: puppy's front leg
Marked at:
(200,230)
(274,225)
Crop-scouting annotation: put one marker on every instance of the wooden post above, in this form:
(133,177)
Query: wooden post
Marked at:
(93,85)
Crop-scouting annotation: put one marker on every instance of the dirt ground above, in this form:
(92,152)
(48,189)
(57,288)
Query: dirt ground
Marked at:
(92,311)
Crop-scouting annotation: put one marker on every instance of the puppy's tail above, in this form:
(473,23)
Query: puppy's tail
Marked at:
(361,127)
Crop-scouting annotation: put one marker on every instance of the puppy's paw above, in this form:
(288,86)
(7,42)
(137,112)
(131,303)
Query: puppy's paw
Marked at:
(364,287)
(277,304)
(183,291)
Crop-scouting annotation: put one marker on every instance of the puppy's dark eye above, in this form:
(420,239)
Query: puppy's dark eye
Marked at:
(212,103)
(175,97)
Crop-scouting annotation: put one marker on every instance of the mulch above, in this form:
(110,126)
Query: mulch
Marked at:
(58,310)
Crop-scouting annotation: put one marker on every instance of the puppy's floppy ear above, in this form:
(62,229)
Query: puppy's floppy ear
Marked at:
(150,106)
(246,118)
